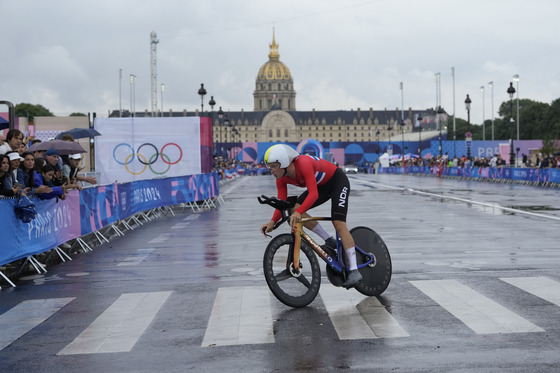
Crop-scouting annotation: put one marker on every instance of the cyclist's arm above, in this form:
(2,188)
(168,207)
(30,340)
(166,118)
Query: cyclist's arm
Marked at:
(283,195)
(311,184)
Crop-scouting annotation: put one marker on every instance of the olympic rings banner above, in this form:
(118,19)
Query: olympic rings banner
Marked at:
(131,149)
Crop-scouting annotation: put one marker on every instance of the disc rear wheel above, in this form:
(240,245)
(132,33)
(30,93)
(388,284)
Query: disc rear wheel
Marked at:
(377,275)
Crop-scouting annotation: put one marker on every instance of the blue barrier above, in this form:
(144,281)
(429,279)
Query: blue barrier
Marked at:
(535,175)
(91,209)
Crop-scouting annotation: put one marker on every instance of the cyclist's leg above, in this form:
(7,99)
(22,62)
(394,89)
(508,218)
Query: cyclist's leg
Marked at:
(315,226)
(339,210)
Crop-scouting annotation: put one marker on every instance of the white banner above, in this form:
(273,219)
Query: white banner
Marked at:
(132,149)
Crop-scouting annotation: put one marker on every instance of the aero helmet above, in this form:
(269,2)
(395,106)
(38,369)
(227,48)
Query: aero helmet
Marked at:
(280,153)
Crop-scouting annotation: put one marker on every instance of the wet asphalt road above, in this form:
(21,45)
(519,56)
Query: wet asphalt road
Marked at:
(475,287)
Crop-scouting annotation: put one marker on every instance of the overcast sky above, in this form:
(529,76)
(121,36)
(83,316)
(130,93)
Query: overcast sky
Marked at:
(343,55)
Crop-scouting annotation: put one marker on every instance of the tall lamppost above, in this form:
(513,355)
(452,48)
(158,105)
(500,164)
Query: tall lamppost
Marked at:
(390,146)
(468,107)
(438,117)
(202,93)
(511,92)
(419,119)
(212,103)
(220,118)
(162,89)
(132,94)
(483,116)
(402,121)
(226,124)
(491,84)
(120,92)
(516,79)
(402,147)
(377,133)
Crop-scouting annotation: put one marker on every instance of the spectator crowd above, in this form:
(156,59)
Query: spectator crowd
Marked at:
(44,174)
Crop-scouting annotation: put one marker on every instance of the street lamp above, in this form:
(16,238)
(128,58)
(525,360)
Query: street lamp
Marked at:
(419,135)
(377,133)
(226,124)
(162,89)
(402,148)
(212,103)
(516,79)
(439,112)
(468,107)
(511,92)
(491,84)
(202,93)
(220,118)
(483,116)
(390,146)
(132,94)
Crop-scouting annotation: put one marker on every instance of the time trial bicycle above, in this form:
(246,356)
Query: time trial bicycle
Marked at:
(295,279)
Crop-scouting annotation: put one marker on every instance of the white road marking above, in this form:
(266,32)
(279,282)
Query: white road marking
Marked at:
(27,315)
(542,287)
(241,315)
(356,316)
(481,314)
(139,257)
(119,327)
(159,239)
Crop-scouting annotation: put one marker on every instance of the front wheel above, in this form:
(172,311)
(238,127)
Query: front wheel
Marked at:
(294,289)
(377,275)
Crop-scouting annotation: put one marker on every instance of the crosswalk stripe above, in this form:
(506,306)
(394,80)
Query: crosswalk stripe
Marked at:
(137,258)
(481,314)
(356,316)
(241,315)
(119,327)
(542,287)
(160,238)
(27,315)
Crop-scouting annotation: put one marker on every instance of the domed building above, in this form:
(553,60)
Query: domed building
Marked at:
(354,135)
(274,87)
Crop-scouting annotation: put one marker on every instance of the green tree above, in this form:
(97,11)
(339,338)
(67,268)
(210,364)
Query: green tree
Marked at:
(30,111)
(78,115)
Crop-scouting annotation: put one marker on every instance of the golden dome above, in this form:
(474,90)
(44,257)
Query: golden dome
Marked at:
(274,69)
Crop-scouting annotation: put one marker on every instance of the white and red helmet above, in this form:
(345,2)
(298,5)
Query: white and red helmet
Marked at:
(281,153)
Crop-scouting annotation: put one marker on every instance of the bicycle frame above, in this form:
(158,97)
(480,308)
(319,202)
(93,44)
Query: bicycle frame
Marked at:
(336,263)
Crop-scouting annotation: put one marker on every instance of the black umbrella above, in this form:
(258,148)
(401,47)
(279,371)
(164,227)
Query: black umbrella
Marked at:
(79,133)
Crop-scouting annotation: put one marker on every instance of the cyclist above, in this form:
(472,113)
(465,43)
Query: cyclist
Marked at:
(323,181)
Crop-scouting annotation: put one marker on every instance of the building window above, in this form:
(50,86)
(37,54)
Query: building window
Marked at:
(286,133)
(270,132)
(278,132)
(279,87)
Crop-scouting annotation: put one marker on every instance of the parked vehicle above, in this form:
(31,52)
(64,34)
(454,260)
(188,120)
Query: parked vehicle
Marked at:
(350,169)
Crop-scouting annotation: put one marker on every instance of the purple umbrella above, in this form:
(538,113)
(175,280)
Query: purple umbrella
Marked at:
(63,147)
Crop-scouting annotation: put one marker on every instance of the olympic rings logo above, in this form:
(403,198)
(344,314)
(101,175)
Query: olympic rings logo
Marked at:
(146,160)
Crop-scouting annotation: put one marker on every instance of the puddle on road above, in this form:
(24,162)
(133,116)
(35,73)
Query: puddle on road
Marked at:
(534,208)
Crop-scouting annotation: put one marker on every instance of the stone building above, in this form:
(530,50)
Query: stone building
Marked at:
(275,118)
